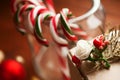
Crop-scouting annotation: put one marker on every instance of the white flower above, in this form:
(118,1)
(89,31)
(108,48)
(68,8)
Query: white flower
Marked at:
(82,50)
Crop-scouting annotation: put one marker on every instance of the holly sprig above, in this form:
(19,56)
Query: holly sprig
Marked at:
(100,44)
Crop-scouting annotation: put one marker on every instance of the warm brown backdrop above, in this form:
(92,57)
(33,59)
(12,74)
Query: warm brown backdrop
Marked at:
(13,43)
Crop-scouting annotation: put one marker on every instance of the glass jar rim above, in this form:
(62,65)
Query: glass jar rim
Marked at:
(95,6)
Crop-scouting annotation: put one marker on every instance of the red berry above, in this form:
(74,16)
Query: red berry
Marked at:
(76,60)
(97,43)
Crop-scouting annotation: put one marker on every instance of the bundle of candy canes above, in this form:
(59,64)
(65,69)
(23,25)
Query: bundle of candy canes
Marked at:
(37,12)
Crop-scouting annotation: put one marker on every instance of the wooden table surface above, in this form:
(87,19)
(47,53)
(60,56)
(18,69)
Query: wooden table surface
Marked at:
(14,44)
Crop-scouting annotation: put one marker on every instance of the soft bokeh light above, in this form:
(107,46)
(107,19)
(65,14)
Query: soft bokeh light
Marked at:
(20,59)
(35,78)
(2,56)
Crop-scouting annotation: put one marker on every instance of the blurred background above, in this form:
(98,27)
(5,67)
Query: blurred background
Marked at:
(14,45)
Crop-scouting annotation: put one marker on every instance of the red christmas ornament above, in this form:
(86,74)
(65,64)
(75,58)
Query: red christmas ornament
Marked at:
(12,70)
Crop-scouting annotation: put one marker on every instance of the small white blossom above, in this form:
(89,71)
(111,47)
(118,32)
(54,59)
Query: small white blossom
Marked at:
(82,49)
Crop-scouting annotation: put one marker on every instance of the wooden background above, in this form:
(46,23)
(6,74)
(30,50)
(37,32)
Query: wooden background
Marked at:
(14,44)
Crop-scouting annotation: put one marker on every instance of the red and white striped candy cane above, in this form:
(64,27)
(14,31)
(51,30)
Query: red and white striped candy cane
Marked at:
(15,4)
(65,25)
(62,52)
(64,63)
(54,23)
(18,16)
(18,8)
(62,56)
(78,31)
(40,2)
(32,16)
(50,6)
(38,27)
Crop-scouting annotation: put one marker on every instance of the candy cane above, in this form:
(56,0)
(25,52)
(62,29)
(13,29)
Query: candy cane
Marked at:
(38,29)
(78,31)
(65,26)
(18,15)
(35,2)
(54,23)
(53,28)
(16,3)
(65,67)
(49,4)
(32,16)
(62,56)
